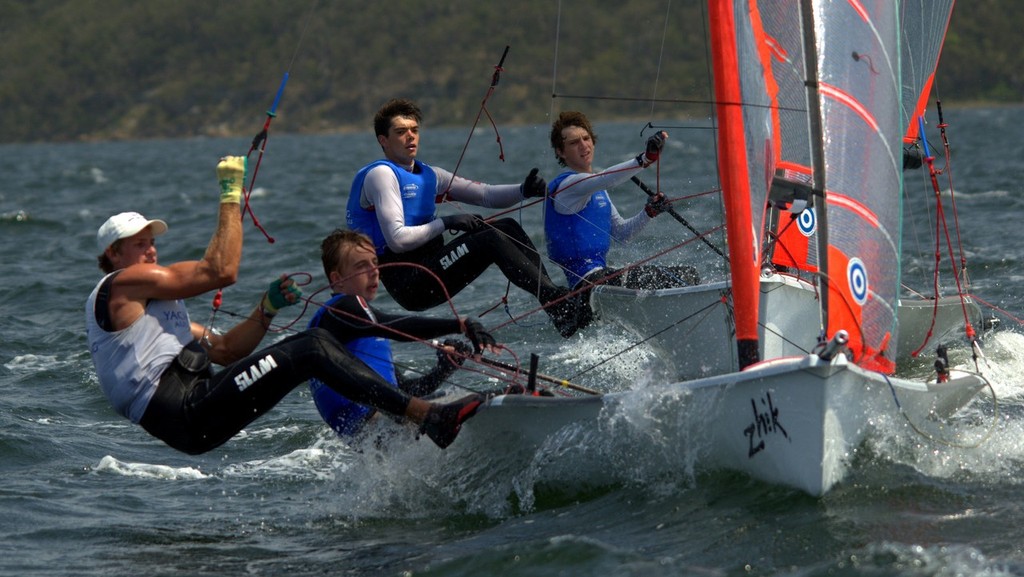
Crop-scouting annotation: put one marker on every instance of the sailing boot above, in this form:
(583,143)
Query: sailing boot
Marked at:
(569,314)
(443,422)
(584,313)
(562,312)
(563,315)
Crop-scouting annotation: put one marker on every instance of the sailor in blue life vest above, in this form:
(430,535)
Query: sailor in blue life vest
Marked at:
(580,220)
(350,265)
(393,202)
(155,365)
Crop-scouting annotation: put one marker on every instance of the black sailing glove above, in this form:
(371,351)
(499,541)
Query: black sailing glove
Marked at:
(447,361)
(534,186)
(480,337)
(657,204)
(463,222)
(653,152)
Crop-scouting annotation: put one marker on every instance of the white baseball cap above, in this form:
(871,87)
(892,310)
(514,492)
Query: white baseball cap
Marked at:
(124,225)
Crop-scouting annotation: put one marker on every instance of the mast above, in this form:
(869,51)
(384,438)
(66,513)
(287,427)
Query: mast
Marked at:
(818,184)
(852,76)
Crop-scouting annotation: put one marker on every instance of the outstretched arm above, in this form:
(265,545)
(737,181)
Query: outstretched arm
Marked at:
(575,190)
(478,193)
(139,283)
(347,320)
(244,337)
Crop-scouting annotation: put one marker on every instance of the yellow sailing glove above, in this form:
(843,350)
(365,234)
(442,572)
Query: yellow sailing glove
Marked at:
(231,177)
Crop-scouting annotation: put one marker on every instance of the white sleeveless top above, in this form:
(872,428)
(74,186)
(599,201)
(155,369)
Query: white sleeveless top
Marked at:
(129,362)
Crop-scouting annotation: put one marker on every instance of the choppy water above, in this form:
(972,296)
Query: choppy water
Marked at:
(86,493)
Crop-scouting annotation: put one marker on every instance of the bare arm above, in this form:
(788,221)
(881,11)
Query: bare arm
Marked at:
(245,336)
(238,342)
(217,269)
(141,282)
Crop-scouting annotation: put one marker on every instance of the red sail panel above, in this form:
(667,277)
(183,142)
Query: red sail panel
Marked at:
(849,294)
(795,245)
(923,24)
(918,111)
(859,97)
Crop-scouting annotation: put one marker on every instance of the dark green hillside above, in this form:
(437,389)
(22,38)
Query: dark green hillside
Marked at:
(84,69)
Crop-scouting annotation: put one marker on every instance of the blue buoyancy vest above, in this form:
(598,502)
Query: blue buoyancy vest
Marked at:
(578,242)
(419,197)
(343,415)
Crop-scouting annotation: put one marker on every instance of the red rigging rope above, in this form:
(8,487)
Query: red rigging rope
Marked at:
(949,176)
(260,141)
(483,110)
(509,373)
(942,229)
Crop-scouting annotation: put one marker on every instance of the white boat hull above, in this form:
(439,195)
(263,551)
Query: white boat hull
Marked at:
(915,317)
(693,331)
(692,328)
(793,421)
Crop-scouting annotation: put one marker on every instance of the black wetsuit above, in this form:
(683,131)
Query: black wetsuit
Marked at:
(195,409)
(347,319)
(502,242)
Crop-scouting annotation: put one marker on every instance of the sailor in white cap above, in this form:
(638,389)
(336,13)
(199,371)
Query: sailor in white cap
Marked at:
(154,363)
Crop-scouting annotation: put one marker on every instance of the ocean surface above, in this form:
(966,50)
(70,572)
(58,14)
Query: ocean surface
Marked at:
(84,492)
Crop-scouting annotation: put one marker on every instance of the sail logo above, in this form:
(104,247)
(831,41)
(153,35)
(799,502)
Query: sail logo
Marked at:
(765,423)
(857,278)
(807,222)
(255,372)
(451,258)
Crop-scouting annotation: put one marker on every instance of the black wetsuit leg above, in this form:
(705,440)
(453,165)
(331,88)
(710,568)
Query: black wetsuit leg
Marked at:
(195,411)
(503,243)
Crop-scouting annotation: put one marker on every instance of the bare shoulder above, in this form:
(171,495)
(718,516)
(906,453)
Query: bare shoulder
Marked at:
(147,281)
(128,295)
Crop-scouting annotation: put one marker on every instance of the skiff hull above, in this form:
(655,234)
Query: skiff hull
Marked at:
(793,421)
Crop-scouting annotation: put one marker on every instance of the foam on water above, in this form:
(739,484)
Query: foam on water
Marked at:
(109,464)
(309,463)
(610,360)
(33,363)
(985,438)
(644,439)
(892,557)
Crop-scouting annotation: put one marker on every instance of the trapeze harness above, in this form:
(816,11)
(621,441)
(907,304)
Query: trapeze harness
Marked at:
(173,393)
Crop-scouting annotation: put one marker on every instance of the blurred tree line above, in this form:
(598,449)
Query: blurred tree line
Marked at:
(109,69)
